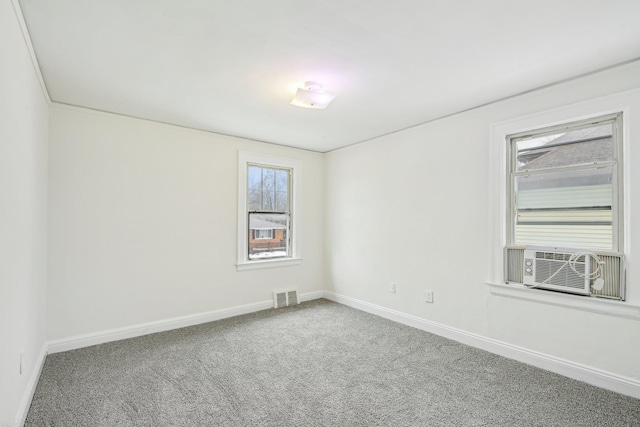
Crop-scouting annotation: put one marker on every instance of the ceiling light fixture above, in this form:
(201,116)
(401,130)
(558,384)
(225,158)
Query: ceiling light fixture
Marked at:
(312,96)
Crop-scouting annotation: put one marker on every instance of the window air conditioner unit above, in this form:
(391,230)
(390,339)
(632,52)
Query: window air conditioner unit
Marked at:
(548,268)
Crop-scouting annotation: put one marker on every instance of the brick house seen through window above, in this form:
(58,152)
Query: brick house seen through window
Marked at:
(267,235)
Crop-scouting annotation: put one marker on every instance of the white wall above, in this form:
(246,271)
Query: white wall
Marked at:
(416,208)
(23,217)
(143,223)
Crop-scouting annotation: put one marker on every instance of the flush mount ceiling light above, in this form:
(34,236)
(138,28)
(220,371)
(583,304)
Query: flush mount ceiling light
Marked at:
(312,96)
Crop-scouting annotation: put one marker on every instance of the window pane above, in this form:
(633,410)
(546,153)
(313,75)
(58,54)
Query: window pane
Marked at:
(573,189)
(282,201)
(571,209)
(254,181)
(282,180)
(569,236)
(254,199)
(580,229)
(268,237)
(569,148)
(268,189)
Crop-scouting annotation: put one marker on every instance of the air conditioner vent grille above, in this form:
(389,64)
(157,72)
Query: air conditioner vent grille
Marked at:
(558,256)
(613,276)
(514,265)
(546,268)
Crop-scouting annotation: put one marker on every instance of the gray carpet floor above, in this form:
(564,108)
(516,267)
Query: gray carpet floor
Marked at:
(316,364)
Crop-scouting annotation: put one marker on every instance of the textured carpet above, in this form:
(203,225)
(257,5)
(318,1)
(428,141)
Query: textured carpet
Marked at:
(316,364)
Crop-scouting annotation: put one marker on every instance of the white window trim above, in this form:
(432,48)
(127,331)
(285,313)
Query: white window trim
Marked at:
(244,159)
(625,102)
(594,305)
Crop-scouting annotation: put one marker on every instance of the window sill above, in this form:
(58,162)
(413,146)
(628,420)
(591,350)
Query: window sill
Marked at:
(594,305)
(271,263)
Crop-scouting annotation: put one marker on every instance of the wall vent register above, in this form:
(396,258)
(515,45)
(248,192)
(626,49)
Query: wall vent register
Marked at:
(284,298)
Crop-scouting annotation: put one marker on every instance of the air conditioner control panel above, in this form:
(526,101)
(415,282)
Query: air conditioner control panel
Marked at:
(528,267)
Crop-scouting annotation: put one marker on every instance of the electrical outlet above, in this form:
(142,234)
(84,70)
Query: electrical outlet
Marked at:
(428,296)
(392,288)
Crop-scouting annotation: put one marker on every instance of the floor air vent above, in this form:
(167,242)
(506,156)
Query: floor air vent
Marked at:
(284,298)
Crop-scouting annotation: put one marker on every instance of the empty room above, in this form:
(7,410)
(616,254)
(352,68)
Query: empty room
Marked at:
(290,213)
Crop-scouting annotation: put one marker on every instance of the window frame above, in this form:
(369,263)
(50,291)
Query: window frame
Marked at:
(246,159)
(617,207)
(627,102)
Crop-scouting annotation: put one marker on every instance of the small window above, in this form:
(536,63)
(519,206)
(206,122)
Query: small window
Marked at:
(267,226)
(268,210)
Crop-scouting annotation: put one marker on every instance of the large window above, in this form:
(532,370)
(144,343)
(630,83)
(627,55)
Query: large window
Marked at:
(559,178)
(564,186)
(268,229)
(564,190)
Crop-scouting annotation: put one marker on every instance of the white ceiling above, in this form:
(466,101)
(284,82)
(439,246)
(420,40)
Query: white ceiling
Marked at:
(232,67)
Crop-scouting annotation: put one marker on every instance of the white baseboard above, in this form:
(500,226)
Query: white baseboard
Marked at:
(23,410)
(563,367)
(311,296)
(126,332)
